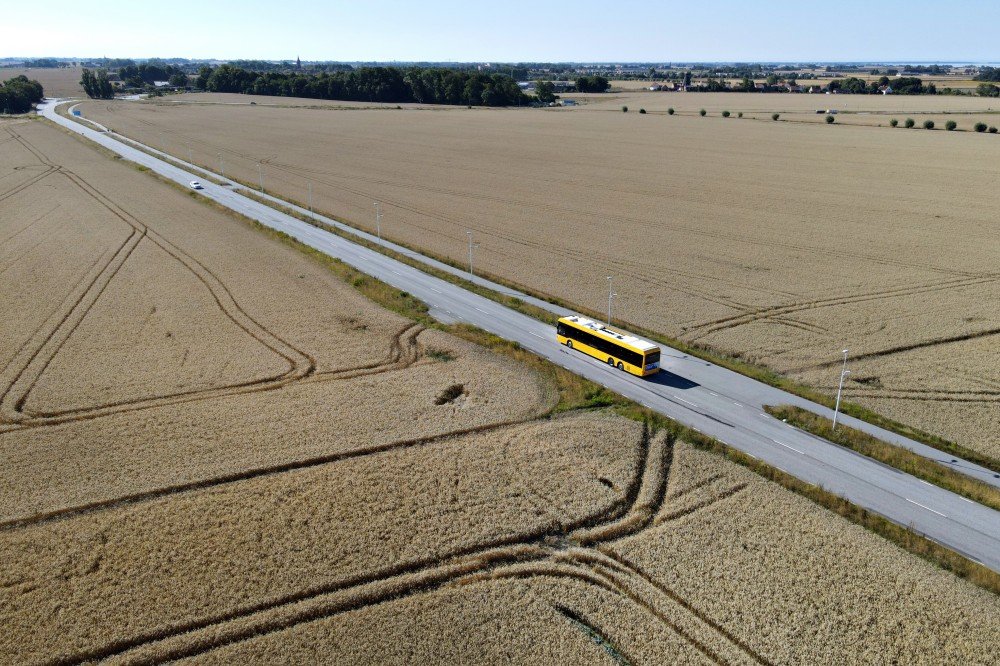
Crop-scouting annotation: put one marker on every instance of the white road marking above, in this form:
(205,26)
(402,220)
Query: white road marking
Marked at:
(737,404)
(536,335)
(687,401)
(763,415)
(968,500)
(482,310)
(434,290)
(787,446)
(924,507)
(714,393)
(925,482)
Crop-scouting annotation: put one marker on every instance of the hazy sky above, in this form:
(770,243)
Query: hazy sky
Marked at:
(514,30)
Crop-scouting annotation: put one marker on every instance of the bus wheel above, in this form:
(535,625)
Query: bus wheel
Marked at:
(611,362)
(569,343)
(620,366)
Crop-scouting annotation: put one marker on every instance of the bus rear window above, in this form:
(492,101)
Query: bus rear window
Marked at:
(652,357)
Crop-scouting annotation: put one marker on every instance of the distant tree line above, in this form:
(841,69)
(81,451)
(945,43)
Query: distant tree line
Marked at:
(903,85)
(44,63)
(19,93)
(138,76)
(97,86)
(988,74)
(370,84)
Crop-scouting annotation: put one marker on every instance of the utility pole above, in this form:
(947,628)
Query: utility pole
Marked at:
(222,166)
(611,295)
(260,172)
(378,220)
(471,245)
(190,155)
(310,196)
(843,373)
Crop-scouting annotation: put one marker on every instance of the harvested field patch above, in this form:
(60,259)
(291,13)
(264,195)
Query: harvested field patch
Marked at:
(56,81)
(781,243)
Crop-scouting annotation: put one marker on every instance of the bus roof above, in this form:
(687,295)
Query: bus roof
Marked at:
(611,334)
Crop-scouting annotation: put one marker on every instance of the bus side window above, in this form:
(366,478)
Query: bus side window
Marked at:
(561,329)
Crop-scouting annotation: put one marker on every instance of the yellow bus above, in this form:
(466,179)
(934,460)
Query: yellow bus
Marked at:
(625,352)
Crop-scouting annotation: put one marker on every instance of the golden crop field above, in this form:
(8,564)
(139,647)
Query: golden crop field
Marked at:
(57,81)
(780,242)
(218,451)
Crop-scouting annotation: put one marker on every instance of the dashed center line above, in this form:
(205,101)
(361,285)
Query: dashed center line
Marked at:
(788,447)
(924,507)
(687,401)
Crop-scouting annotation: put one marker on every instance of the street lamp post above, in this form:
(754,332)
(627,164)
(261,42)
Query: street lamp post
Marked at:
(378,220)
(843,373)
(310,197)
(222,166)
(471,246)
(260,172)
(611,295)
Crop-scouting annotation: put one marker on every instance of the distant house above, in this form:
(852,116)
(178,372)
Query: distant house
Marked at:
(161,84)
(885,90)
(569,102)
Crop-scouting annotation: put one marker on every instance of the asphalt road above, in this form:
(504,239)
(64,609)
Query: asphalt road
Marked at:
(716,402)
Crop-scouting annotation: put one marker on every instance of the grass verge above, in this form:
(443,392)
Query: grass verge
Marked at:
(896,456)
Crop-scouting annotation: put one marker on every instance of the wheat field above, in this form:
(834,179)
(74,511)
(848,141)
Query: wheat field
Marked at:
(779,242)
(224,453)
(57,82)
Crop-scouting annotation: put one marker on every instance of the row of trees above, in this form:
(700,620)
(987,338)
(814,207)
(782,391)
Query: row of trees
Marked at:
(370,84)
(97,86)
(19,93)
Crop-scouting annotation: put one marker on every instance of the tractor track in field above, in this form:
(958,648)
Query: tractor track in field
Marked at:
(583,551)
(701,330)
(29,364)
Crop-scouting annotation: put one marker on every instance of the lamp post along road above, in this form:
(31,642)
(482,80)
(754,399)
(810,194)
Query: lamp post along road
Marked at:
(471,246)
(310,197)
(611,295)
(843,373)
(260,172)
(222,166)
(378,220)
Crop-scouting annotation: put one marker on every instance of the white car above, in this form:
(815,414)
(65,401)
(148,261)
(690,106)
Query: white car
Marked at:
(195,185)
